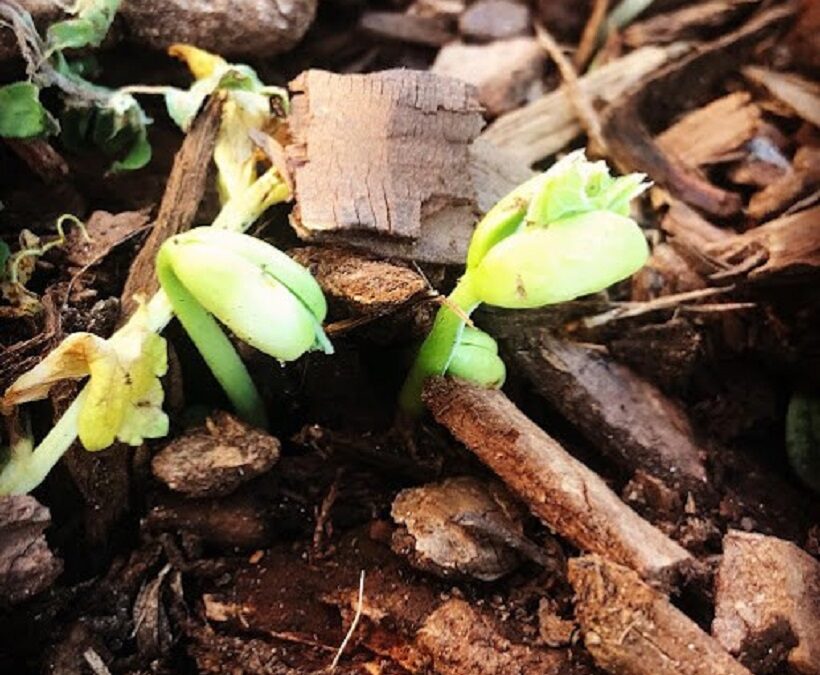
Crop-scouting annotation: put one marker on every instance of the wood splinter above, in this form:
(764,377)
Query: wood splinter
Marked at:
(560,490)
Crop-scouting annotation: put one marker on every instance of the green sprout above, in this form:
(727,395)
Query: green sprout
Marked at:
(267,300)
(123,396)
(562,234)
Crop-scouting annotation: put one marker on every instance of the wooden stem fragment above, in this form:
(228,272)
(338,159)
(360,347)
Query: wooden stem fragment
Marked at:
(561,491)
(182,197)
(632,629)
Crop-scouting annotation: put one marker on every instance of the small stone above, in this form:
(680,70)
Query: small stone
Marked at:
(488,20)
(504,72)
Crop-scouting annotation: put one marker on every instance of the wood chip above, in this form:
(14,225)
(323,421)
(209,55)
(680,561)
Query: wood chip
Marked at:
(27,565)
(362,285)
(413,29)
(503,72)
(459,639)
(431,536)
(489,20)
(547,125)
(767,603)
(396,148)
(632,629)
(782,249)
(688,22)
(216,459)
(562,492)
(183,194)
(708,134)
(802,178)
(621,414)
(799,94)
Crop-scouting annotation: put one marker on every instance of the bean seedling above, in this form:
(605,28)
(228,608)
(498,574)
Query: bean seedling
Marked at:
(562,234)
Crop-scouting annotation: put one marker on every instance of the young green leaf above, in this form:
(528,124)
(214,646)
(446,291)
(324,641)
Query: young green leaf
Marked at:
(21,113)
(92,20)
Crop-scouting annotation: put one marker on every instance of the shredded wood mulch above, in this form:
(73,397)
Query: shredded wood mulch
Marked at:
(624,505)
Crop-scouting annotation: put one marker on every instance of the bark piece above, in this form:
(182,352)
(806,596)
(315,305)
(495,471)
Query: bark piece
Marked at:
(183,194)
(362,285)
(709,133)
(105,231)
(234,521)
(632,629)
(562,492)
(623,415)
(39,155)
(429,31)
(27,566)
(688,22)
(395,146)
(459,639)
(547,125)
(768,598)
(803,177)
(217,459)
(434,540)
(504,71)
(667,272)
(799,94)
(489,20)
(231,28)
(787,248)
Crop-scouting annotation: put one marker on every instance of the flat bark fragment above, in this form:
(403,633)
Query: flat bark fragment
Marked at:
(361,284)
(545,126)
(459,639)
(504,72)
(799,94)
(688,22)
(382,154)
(768,603)
(560,490)
(183,194)
(632,629)
(27,566)
(430,31)
(787,248)
(708,134)
(623,415)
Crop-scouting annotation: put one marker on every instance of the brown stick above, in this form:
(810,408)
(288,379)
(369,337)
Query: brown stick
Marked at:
(632,629)
(589,38)
(184,191)
(561,491)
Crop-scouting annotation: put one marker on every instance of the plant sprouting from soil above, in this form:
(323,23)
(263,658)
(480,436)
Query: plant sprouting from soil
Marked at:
(562,234)
(266,299)
(91,116)
(123,370)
